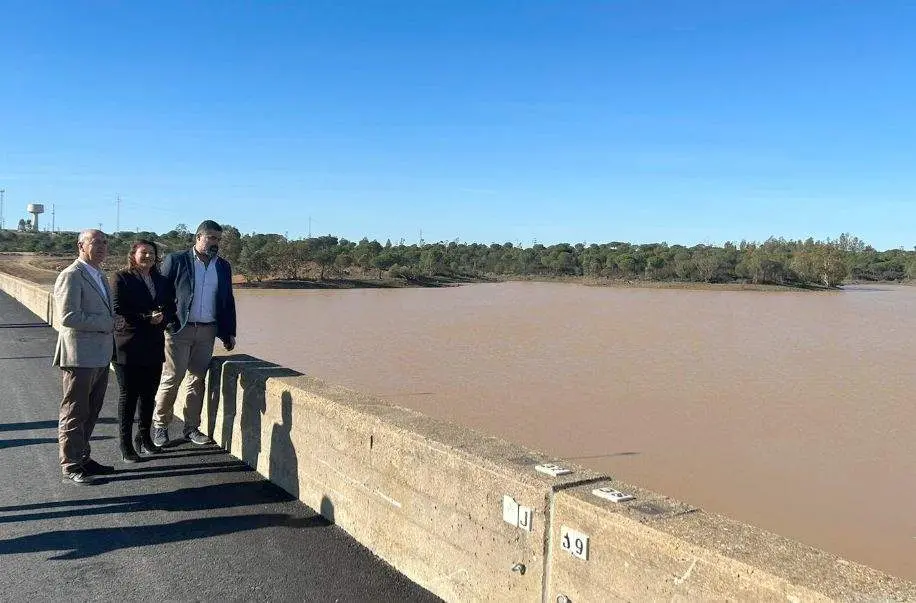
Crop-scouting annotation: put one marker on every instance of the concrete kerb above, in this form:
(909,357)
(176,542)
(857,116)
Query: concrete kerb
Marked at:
(37,298)
(469,518)
(654,547)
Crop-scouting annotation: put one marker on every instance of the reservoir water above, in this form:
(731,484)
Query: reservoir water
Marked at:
(793,411)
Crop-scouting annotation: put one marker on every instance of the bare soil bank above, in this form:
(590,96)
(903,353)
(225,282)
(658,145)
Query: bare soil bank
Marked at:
(792,411)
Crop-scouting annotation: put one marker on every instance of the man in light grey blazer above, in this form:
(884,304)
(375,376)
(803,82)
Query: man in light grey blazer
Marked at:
(84,310)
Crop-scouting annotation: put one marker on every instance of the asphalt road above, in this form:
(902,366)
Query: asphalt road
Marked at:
(195,524)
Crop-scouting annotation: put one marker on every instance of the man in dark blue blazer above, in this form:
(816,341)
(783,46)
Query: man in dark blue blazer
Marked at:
(205,311)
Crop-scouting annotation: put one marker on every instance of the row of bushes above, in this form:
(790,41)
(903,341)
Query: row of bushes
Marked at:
(272,256)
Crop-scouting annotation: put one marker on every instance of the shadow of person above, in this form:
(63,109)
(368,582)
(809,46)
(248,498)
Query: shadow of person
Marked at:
(203,498)
(327,508)
(253,381)
(28,425)
(222,388)
(283,468)
(15,442)
(80,544)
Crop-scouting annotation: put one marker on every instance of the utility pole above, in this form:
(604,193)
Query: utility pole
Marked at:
(118,219)
(2,191)
(310,227)
(52,218)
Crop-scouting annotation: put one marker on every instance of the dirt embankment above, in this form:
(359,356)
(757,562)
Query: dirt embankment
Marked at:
(33,267)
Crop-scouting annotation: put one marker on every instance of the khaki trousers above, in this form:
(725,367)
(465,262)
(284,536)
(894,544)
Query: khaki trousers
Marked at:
(187,358)
(84,392)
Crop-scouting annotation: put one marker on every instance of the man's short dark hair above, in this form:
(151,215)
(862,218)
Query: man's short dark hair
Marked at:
(208,225)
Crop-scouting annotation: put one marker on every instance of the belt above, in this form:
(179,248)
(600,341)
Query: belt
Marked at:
(202,324)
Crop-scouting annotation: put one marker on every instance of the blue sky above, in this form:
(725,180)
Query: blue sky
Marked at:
(487,121)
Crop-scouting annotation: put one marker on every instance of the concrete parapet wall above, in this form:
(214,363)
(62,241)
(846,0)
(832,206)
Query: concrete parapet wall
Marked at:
(468,517)
(37,298)
(430,498)
(425,496)
(654,548)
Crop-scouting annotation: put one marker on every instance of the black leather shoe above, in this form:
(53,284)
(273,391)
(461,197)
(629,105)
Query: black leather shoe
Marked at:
(144,444)
(148,448)
(78,477)
(93,468)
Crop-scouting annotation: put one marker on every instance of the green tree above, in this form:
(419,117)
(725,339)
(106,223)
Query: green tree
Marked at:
(231,245)
(384,261)
(708,264)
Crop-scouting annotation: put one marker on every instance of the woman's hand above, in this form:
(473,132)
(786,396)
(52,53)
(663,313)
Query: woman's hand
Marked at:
(156,317)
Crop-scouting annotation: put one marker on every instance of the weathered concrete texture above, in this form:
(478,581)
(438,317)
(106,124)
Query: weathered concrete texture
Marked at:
(425,496)
(428,498)
(37,298)
(657,548)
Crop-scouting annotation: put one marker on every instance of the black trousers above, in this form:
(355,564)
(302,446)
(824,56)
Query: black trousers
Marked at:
(138,383)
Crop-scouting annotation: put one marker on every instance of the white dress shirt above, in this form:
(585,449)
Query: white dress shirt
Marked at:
(203,304)
(96,275)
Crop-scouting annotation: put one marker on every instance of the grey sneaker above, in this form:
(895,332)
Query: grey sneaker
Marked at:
(196,437)
(160,436)
(78,476)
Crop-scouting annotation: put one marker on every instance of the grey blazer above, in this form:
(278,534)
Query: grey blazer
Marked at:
(86,319)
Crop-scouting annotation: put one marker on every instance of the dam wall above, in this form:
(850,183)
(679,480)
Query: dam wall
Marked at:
(472,517)
(37,298)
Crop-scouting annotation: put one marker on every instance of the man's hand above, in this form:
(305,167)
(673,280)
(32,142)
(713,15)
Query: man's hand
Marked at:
(156,317)
(229,343)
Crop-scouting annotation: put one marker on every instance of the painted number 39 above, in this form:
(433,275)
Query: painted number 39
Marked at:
(573,542)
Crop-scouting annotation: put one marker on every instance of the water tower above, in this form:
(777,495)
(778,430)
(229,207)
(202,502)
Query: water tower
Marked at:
(35,209)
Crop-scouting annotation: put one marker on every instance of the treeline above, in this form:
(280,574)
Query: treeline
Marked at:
(272,256)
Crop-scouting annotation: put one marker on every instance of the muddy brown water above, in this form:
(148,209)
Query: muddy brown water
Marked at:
(791,411)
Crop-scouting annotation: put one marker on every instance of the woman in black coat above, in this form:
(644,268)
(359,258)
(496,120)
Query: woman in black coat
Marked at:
(143,306)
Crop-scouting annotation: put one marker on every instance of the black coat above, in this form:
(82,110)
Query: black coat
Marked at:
(137,341)
(178,268)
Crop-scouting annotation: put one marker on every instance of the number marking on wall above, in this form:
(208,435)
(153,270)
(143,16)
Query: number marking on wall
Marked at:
(518,515)
(573,542)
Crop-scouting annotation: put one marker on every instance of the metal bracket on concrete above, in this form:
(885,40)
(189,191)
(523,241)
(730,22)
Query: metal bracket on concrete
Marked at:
(612,495)
(552,469)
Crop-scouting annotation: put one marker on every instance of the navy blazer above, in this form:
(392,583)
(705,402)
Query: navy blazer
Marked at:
(137,340)
(178,269)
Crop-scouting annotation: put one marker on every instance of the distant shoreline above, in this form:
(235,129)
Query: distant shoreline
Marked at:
(19,264)
(437,282)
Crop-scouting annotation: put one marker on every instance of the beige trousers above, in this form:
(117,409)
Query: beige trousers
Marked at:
(84,392)
(187,358)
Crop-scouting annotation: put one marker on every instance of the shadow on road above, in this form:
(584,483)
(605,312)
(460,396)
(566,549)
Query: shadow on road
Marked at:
(130,477)
(32,441)
(203,498)
(80,544)
(47,424)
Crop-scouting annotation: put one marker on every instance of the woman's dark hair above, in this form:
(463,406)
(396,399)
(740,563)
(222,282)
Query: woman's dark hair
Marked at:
(132,265)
